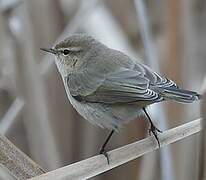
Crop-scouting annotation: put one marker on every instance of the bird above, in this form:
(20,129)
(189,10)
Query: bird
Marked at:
(108,88)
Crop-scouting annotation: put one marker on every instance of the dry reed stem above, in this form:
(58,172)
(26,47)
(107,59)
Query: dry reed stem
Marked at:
(98,164)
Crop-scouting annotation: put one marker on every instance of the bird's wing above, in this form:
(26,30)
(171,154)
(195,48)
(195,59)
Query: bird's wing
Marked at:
(156,80)
(122,86)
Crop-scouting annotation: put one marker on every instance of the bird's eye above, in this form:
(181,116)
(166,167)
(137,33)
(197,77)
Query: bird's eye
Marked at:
(66,52)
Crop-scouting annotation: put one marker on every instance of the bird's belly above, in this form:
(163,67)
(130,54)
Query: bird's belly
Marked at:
(105,115)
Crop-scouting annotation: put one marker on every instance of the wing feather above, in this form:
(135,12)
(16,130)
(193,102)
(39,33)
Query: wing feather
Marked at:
(155,79)
(122,86)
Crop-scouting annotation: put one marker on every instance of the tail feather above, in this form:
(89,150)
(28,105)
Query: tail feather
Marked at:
(179,95)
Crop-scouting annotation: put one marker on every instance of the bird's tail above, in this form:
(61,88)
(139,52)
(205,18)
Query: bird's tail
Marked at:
(179,95)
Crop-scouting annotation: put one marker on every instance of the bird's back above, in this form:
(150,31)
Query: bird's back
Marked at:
(111,60)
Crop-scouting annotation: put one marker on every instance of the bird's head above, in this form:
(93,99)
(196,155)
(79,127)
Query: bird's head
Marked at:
(70,53)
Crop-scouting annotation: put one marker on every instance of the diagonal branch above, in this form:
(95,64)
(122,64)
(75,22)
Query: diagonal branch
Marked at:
(18,163)
(98,164)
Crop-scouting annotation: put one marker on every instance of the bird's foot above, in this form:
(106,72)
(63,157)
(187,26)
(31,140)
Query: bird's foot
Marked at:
(154,130)
(104,152)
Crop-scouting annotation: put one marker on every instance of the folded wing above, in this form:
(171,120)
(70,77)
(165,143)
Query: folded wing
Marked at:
(121,86)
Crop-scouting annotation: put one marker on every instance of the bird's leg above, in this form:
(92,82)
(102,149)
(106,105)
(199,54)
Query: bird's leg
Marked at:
(153,129)
(102,150)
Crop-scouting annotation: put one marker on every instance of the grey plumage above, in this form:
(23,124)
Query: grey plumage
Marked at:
(107,87)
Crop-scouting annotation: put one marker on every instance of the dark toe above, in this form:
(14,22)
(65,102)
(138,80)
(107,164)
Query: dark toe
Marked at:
(154,131)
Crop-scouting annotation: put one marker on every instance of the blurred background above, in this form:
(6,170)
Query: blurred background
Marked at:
(34,111)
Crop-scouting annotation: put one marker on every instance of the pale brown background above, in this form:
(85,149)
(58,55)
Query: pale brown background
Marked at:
(41,121)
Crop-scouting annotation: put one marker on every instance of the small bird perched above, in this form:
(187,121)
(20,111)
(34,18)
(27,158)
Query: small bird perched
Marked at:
(107,87)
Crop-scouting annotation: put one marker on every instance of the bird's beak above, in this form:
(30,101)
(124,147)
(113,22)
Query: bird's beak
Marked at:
(49,50)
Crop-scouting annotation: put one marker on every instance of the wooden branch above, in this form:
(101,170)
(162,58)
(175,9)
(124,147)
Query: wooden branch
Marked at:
(98,164)
(18,163)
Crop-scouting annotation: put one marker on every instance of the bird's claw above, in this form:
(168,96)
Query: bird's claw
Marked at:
(104,152)
(154,130)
